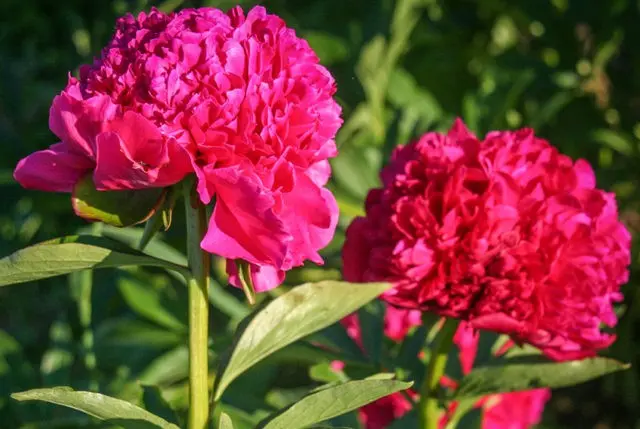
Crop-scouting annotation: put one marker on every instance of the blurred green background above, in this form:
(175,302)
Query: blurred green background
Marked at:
(568,68)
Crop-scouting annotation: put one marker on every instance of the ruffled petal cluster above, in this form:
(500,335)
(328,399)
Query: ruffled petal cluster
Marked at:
(516,410)
(505,233)
(237,99)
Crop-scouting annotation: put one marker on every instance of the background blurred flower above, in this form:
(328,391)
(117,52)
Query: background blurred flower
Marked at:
(505,233)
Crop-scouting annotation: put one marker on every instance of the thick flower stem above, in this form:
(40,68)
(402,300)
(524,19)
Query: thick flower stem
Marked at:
(198,285)
(428,410)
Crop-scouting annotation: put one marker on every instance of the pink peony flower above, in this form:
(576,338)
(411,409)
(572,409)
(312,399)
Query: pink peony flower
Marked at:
(263,151)
(505,233)
(516,410)
(239,100)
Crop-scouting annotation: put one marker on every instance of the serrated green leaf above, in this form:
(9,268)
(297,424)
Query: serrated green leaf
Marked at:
(294,315)
(117,208)
(331,402)
(70,254)
(531,372)
(99,406)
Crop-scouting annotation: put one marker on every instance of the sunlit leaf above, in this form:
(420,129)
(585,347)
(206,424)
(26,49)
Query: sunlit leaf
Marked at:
(99,406)
(531,372)
(69,254)
(331,402)
(294,315)
(225,421)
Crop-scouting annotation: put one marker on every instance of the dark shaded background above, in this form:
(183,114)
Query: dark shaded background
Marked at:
(570,69)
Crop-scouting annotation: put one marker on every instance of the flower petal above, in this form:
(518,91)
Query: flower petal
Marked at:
(77,122)
(53,170)
(311,216)
(264,277)
(243,224)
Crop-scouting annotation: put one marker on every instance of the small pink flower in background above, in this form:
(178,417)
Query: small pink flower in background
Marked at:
(516,410)
(505,233)
(384,411)
(238,100)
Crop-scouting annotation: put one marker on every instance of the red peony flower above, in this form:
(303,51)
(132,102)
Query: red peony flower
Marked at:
(239,100)
(516,410)
(505,233)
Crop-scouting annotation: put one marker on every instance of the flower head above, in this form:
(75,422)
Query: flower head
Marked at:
(238,100)
(505,233)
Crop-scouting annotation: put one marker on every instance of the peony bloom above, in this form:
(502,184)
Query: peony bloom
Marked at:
(238,100)
(516,410)
(505,233)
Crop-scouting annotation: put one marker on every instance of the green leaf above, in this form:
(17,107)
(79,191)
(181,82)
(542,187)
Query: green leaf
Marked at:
(241,419)
(57,361)
(145,300)
(323,372)
(156,248)
(616,141)
(408,420)
(294,315)
(69,254)
(135,334)
(371,319)
(155,403)
(171,367)
(225,422)
(99,406)
(331,402)
(117,208)
(329,48)
(162,218)
(356,170)
(530,372)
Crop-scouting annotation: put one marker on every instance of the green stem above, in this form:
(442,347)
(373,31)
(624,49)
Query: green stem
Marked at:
(428,410)
(198,286)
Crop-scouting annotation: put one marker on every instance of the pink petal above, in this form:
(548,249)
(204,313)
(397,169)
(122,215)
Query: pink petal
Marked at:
(243,224)
(311,216)
(319,172)
(141,137)
(133,154)
(53,170)
(77,122)
(459,131)
(584,173)
(115,167)
(398,322)
(467,339)
(264,277)
(354,252)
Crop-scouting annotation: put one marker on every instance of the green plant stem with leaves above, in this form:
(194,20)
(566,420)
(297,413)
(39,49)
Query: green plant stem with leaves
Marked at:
(428,410)
(198,285)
